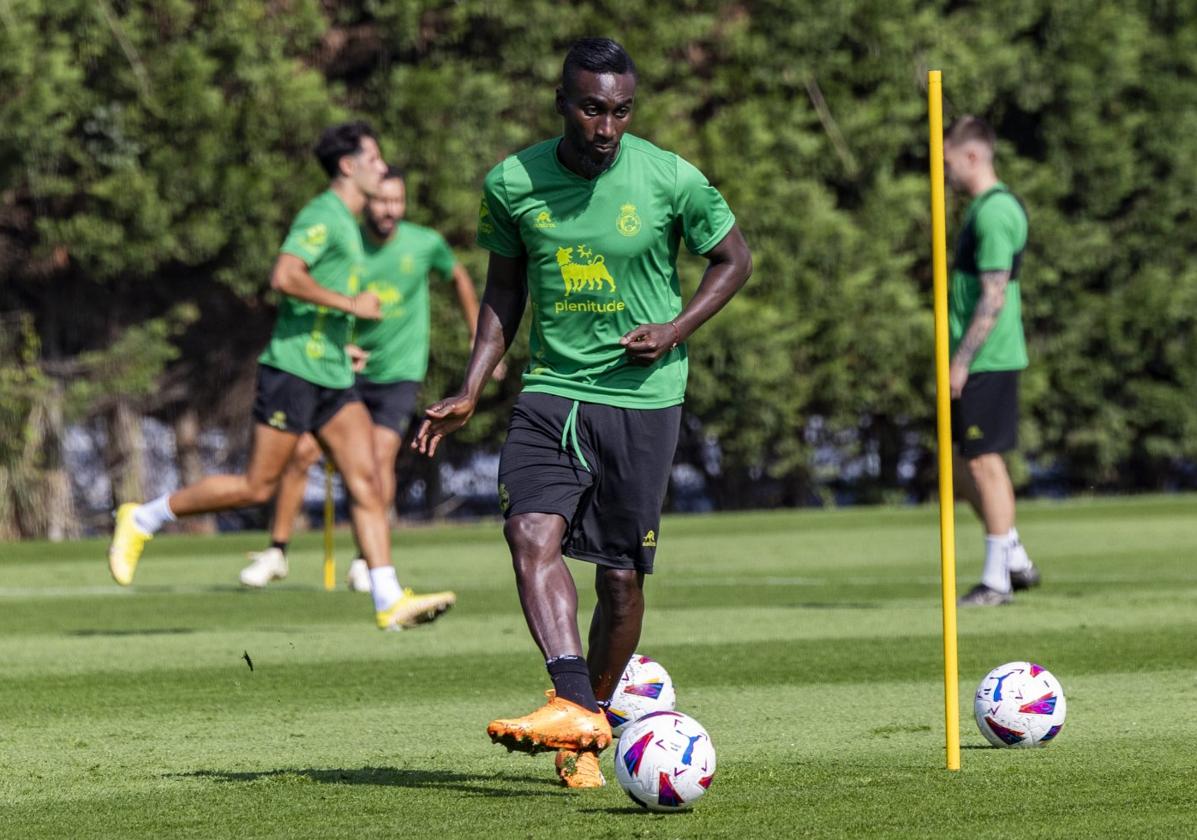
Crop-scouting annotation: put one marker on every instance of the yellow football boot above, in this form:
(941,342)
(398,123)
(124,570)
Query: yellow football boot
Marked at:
(128,541)
(413,609)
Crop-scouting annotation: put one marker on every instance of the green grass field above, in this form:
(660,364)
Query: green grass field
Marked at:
(808,643)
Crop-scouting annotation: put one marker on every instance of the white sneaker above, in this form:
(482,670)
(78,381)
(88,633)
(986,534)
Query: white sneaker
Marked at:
(358,576)
(265,566)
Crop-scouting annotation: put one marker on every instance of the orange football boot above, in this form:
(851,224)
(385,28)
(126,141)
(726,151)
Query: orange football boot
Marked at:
(579,769)
(557,725)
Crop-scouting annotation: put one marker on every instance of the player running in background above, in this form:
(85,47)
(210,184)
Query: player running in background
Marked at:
(988,351)
(305,383)
(588,226)
(399,257)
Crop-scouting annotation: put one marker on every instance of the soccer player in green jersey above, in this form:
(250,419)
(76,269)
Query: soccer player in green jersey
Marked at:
(399,257)
(988,351)
(587,227)
(305,383)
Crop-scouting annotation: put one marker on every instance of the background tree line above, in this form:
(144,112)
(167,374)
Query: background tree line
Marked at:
(152,154)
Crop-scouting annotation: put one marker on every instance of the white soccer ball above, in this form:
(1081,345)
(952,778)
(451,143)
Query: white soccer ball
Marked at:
(665,761)
(1019,704)
(644,687)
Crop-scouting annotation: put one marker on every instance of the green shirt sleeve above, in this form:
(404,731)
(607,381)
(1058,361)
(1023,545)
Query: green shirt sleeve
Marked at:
(1001,227)
(497,230)
(442,259)
(309,236)
(704,214)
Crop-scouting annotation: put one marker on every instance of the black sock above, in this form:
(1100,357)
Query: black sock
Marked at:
(281,546)
(571,678)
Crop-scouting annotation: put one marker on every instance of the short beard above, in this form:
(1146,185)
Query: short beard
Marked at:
(592,168)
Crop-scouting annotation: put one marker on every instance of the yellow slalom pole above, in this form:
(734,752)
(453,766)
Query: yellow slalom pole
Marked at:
(943,406)
(330,562)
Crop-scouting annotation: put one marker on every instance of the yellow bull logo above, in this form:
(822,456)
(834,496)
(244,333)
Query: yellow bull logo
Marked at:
(586,275)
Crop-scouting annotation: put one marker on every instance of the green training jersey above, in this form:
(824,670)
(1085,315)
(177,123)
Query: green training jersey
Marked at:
(993,239)
(397,271)
(308,340)
(602,260)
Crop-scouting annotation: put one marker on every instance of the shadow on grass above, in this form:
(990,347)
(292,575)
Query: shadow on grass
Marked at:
(148,631)
(470,783)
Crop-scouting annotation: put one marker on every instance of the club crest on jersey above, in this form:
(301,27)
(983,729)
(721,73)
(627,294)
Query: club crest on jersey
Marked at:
(544,221)
(590,275)
(628,222)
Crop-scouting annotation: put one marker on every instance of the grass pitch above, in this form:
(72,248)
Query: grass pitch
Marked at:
(808,644)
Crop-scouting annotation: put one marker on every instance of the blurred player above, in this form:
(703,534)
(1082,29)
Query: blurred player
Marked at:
(988,351)
(399,256)
(305,383)
(588,225)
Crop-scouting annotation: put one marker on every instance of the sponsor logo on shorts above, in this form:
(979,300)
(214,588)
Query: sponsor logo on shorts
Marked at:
(650,539)
(974,433)
(278,420)
(504,498)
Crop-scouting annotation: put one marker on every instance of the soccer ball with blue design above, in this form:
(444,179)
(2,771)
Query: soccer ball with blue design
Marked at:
(665,761)
(1020,704)
(645,687)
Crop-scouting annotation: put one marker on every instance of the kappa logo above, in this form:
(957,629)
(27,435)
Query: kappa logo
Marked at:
(590,275)
(316,345)
(544,221)
(974,433)
(628,222)
(650,539)
(485,225)
(278,420)
(504,498)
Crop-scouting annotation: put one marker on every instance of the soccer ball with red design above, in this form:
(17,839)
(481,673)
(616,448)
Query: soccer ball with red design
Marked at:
(1020,704)
(665,761)
(644,687)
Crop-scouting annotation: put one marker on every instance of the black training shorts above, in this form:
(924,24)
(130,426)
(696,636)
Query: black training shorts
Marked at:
(390,403)
(291,404)
(985,417)
(613,509)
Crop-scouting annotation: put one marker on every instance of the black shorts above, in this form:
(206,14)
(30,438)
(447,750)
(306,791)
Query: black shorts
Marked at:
(291,404)
(613,509)
(985,418)
(390,403)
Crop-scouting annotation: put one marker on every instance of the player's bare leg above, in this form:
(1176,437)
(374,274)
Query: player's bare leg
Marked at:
(271,563)
(615,627)
(986,483)
(387,444)
(136,524)
(571,719)
(396,608)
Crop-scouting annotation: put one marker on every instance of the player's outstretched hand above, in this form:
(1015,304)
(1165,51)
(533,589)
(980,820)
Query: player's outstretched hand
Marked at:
(442,418)
(367,306)
(649,342)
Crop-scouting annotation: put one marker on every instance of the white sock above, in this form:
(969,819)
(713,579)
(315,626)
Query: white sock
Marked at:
(151,516)
(384,586)
(996,574)
(1018,559)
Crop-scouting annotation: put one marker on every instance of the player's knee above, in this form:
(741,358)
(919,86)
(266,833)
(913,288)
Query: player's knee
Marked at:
(530,540)
(307,453)
(260,492)
(983,467)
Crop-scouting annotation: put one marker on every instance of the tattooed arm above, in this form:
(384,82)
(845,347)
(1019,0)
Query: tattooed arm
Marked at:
(993,298)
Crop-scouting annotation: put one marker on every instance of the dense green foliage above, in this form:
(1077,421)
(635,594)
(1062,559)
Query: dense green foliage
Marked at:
(816,668)
(153,153)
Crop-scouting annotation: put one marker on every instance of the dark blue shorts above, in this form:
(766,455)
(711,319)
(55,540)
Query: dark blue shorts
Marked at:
(289,403)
